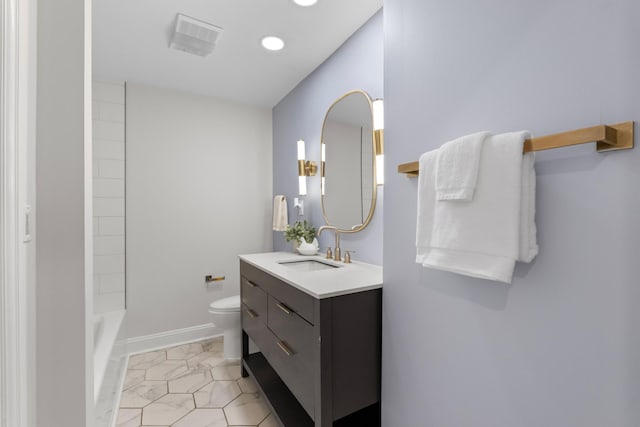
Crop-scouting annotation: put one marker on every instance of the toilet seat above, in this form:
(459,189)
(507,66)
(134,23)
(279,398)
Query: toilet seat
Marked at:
(229,304)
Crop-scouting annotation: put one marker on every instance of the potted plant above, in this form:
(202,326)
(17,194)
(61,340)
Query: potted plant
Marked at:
(300,230)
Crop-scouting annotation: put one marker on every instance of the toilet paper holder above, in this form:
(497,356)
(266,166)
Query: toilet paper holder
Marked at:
(209,278)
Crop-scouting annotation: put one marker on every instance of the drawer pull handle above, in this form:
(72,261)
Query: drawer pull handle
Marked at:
(285,348)
(253,285)
(251,313)
(283,308)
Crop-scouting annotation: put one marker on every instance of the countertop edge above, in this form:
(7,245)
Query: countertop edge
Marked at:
(329,294)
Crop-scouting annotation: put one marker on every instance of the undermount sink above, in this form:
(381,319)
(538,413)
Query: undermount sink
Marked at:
(308,265)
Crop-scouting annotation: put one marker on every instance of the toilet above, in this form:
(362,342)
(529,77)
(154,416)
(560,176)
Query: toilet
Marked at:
(225,314)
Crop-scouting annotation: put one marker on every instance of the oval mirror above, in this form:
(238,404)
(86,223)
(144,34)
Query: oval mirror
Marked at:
(348,187)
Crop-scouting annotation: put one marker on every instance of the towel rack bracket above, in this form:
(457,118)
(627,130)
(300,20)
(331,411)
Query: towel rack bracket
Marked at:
(623,138)
(411,169)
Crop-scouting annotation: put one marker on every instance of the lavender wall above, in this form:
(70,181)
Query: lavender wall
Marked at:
(357,64)
(559,347)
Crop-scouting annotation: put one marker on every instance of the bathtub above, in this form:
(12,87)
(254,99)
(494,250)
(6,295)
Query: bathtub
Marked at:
(109,359)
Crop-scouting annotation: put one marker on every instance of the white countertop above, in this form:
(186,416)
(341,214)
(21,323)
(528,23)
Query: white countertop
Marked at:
(331,282)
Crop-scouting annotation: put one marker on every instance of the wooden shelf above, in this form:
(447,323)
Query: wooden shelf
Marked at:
(607,137)
(283,403)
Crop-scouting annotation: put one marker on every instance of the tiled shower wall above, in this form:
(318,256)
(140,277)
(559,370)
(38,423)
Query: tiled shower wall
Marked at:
(108,196)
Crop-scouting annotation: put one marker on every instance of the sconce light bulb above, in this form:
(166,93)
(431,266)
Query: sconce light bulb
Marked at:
(302,185)
(323,155)
(301,154)
(380,169)
(322,186)
(378,114)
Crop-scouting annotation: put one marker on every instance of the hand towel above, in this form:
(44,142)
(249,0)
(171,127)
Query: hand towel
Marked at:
(280,218)
(485,237)
(457,167)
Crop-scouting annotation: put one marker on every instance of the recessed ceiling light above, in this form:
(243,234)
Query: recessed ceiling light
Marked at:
(305,2)
(272,43)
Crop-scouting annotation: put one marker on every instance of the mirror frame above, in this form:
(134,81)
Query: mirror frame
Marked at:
(374,194)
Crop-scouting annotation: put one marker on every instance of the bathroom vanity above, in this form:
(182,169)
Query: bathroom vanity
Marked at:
(317,326)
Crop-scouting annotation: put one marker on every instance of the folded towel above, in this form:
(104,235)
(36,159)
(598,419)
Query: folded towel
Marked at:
(485,237)
(457,167)
(280,218)
(528,229)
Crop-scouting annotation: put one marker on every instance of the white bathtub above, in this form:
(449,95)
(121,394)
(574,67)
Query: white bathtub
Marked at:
(108,364)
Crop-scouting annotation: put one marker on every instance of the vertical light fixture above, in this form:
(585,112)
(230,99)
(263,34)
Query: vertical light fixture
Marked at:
(322,159)
(378,135)
(305,168)
(302,176)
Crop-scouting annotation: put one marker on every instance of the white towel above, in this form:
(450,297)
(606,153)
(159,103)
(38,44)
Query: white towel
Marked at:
(457,167)
(426,204)
(485,237)
(280,218)
(528,229)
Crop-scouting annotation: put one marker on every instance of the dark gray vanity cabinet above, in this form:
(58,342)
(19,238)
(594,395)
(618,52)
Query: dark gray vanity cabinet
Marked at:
(319,358)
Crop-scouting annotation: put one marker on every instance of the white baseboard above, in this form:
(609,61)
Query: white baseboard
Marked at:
(160,340)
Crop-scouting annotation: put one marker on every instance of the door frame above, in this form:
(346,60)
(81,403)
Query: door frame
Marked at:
(17,118)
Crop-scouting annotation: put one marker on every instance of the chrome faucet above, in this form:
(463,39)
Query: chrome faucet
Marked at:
(336,253)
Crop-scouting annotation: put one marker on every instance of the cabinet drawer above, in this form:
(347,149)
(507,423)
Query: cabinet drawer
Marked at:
(290,367)
(254,298)
(252,323)
(301,303)
(296,332)
(297,300)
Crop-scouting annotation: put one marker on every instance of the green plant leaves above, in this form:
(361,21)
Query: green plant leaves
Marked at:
(300,229)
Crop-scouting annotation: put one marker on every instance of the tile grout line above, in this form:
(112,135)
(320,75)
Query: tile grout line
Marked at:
(196,369)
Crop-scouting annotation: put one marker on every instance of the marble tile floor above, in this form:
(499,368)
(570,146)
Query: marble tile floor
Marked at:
(191,385)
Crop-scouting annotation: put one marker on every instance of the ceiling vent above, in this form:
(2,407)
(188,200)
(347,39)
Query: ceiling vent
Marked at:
(194,36)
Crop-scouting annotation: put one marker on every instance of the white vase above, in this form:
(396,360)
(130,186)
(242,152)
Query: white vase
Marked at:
(308,248)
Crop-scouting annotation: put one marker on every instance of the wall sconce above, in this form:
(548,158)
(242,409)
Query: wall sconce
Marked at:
(322,160)
(378,136)
(305,168)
